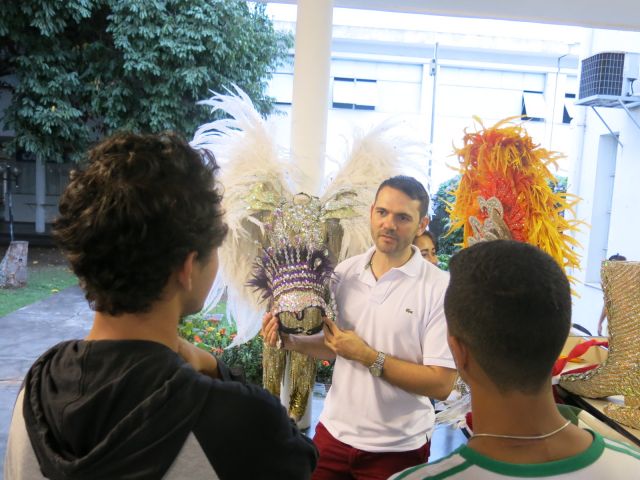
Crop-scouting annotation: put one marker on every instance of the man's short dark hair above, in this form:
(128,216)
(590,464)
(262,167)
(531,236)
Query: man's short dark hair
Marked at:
(510,303)
(411,188)
(618,258)
(133,214)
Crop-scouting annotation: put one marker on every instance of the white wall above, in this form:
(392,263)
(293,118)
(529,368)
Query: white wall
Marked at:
(623,229)
(484,67)
(404,90)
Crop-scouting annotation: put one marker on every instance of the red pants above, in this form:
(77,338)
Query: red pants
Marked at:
(339,461)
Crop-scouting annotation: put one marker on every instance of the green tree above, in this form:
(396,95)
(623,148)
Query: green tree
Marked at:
(85,68)
(439,224)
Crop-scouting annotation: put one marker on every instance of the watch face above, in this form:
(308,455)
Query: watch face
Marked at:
(375,370)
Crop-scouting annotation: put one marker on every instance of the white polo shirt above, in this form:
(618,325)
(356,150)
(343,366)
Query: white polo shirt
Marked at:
(401,314)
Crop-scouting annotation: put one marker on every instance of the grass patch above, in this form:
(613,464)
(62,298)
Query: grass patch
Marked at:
(42,282)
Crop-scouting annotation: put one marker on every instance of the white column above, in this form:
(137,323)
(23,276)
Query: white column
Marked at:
(40,195)
(310,103)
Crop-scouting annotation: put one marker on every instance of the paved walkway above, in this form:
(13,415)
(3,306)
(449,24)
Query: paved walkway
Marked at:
(27,333)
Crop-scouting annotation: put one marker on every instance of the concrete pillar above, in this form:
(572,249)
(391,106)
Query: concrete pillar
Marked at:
(310,103)
(310,109)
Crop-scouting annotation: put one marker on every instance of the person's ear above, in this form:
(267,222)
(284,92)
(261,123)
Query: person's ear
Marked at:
(424,223)
(185,271)
(460,353)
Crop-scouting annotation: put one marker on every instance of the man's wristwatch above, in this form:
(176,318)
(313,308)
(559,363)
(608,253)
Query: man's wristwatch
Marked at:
(376,367)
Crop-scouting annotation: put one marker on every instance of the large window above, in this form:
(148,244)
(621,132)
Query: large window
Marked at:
(281,88)
(355,93)
(533,106)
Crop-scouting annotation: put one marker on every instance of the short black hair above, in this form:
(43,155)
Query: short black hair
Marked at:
(618,258)
(510,303)
(411,188)
(131,216)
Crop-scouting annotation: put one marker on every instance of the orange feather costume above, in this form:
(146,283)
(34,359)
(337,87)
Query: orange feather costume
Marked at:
(503,162)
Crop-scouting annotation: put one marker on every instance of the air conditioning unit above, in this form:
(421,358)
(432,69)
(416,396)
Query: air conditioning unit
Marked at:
(611,74)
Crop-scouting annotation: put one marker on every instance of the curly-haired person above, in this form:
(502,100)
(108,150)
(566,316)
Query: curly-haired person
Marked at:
(140,225)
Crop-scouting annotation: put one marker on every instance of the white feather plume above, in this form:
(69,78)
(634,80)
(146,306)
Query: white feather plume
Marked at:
(375,156)
(245,149)
(247,154)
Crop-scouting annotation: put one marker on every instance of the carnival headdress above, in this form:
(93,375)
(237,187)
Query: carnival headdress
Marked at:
(505,192)
(260,179)
(294,271)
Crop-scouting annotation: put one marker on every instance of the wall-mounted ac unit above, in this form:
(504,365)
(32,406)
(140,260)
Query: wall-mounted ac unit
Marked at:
(607,77)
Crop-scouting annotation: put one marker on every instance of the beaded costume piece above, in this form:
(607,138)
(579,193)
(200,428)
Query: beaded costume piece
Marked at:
(619,374)
(293,275)
(282,245)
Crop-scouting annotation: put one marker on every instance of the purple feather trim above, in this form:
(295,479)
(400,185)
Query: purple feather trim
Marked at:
(295,263)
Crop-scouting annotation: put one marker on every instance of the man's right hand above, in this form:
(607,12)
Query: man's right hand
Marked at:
(270,330)
(312,345)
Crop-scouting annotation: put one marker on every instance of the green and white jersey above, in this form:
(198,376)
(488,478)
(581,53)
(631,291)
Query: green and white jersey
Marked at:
(604,459)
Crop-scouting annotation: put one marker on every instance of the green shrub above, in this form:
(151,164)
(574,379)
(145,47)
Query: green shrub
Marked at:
(443,261)
(214,334)
(324,371)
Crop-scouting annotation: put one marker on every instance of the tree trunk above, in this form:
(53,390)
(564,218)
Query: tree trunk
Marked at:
(13,268)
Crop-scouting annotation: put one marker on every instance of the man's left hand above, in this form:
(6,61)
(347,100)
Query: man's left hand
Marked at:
(347,344)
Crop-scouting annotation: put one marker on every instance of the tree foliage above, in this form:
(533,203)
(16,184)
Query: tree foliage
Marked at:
(85,68)
(439,225)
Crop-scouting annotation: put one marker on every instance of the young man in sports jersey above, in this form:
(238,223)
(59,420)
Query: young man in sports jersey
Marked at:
(508,309)
(389,342)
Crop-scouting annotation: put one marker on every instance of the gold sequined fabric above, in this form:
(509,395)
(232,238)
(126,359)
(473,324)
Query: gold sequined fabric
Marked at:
(626,415)
(619,374)
(273,367)
(296,229)
(303,375)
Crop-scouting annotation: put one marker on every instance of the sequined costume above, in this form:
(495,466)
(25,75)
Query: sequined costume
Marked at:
(293,275)
(287,241)
(619,374)
(504,183)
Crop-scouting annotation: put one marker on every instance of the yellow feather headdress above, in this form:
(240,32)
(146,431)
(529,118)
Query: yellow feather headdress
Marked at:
(502,162)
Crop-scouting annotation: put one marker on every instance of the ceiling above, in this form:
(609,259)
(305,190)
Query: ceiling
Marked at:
(610,14)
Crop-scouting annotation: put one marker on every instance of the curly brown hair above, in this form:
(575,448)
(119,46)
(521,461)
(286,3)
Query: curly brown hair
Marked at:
(133,214)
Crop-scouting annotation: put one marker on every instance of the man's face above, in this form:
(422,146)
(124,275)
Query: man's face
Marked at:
(395,222)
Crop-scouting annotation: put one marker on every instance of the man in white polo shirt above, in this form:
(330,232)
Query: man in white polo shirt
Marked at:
(390,345)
